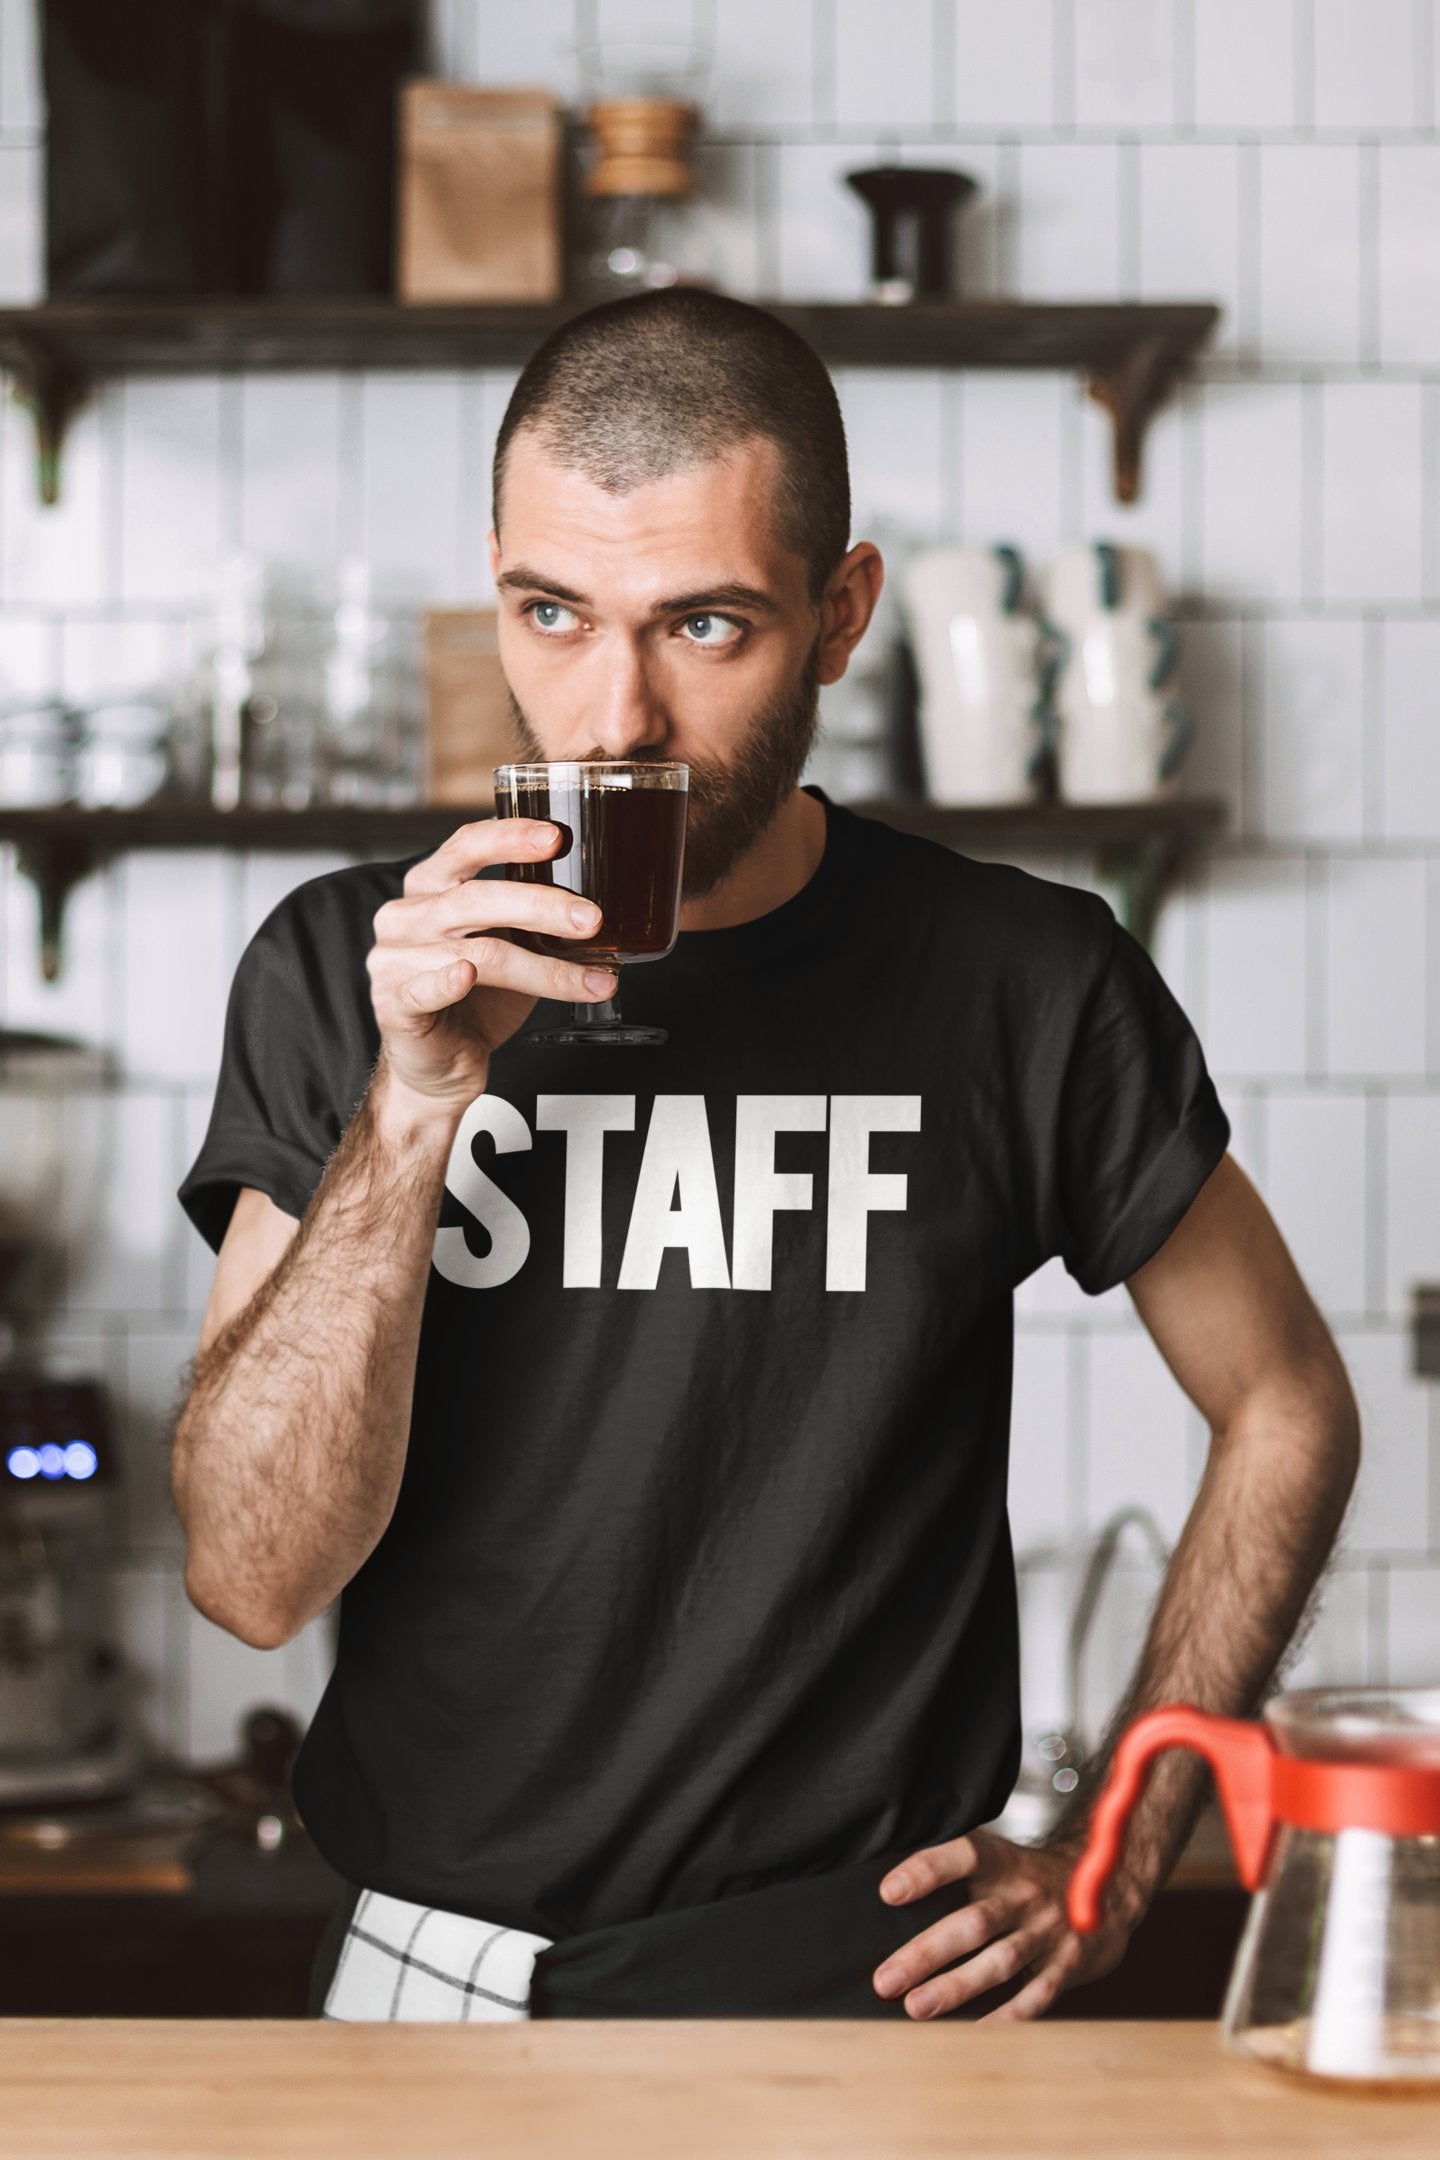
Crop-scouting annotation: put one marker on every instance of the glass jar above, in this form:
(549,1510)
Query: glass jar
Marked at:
(370,736)
(36,756)
(122,757)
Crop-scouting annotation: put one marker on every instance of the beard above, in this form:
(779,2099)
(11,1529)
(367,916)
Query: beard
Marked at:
(730,805)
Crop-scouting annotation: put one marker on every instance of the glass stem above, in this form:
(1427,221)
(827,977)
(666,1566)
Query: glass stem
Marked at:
(598,1016)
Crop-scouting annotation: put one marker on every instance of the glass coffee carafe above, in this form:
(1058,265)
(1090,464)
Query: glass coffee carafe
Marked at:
(1333,1808)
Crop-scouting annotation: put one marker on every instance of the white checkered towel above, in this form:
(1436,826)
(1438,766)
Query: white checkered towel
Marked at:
(410,1962)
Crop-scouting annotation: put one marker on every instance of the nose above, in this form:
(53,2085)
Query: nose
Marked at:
(626,714)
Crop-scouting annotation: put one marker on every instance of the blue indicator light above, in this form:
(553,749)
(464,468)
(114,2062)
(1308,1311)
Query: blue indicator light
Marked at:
(22,1462)
(81,1461)
(52,1460)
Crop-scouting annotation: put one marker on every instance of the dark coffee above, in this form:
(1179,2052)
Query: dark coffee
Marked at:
(623,848)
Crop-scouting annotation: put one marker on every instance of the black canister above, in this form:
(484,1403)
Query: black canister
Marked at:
(911,207)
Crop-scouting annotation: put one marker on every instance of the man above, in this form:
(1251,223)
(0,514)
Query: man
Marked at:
(677,1660)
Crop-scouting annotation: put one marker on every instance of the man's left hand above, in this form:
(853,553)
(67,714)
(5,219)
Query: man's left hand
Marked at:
(1014,1923)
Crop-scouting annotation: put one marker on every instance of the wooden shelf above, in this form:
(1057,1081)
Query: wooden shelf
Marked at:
(1128,353)
(1139,844)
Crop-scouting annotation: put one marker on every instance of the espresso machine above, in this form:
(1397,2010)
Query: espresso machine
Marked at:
(64,1734)
(64,1726)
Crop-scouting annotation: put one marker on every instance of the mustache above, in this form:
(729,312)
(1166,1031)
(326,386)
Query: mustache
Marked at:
(707,776)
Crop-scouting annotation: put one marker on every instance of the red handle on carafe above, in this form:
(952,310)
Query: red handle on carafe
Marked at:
(1242,1757)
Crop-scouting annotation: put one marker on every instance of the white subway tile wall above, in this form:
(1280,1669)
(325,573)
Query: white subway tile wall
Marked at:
(1125,63)
(1365,62)
(171,507)
(1281,156)
(178,947)
(1408,268)
(1136,1431)
(1245,64)
(1042,1484)
(1409,1627)
(1408,737)
(1405,1197)
(536,44)
(1336,1648)
(1391,1509)
(1252,538)
(1379,971)
(895,425)
(22,275)
(1190,227)
(884,71)
(1017,459)
(1310,256)
(413,482)
(1371,513)
(1006,63)
(1324,1217)
(1253,1014)
(1068,222)
(296,466)
(1309,761)
(21,111)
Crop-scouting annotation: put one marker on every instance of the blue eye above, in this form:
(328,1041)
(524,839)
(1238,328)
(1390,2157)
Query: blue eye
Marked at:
(711,629)
(549,615)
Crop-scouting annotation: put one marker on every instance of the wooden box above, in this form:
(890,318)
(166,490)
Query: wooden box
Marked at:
(480,194)
(469,727)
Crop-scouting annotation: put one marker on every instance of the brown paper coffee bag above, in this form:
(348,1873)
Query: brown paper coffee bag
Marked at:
(468,724)
(480,193)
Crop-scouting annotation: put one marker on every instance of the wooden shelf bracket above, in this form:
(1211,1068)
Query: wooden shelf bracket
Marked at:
(1132,388)
(55,864)
(52,394)
(1144,871)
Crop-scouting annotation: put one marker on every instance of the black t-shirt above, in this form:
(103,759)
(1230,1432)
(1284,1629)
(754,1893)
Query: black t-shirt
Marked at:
(700,1577)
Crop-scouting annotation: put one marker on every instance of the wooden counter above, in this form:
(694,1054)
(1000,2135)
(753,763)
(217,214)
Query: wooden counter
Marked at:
(100,1867)
(663,2091)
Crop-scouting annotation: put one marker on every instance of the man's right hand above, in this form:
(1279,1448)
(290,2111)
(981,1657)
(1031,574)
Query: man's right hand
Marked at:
(447,986)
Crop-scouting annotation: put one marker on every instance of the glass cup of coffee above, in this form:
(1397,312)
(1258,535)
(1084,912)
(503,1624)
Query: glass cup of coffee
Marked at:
(622,845)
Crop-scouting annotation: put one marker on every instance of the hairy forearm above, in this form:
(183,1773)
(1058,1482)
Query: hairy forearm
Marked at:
(290,1448)
(1252,1550)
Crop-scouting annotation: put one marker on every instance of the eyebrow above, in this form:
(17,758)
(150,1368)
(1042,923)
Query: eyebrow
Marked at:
(523,579)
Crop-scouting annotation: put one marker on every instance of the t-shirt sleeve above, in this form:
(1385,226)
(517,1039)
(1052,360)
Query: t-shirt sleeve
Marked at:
(299,1045)
(1140,1124)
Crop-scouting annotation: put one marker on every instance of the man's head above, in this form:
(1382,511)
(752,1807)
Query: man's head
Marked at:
(670,550)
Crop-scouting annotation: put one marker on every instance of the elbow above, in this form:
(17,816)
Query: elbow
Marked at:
(257,1621)
(1342,1418)
(1328,1413)
(1347,1445)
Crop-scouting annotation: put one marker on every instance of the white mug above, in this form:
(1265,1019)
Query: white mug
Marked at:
(984,727)
(1119,736)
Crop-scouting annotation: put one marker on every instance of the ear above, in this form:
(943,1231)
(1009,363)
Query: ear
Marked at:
(847,606)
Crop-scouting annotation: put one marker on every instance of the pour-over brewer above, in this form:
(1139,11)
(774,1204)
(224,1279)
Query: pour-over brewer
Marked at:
(1333,1808)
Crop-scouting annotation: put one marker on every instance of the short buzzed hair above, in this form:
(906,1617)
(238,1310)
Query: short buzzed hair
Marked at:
(640,388)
